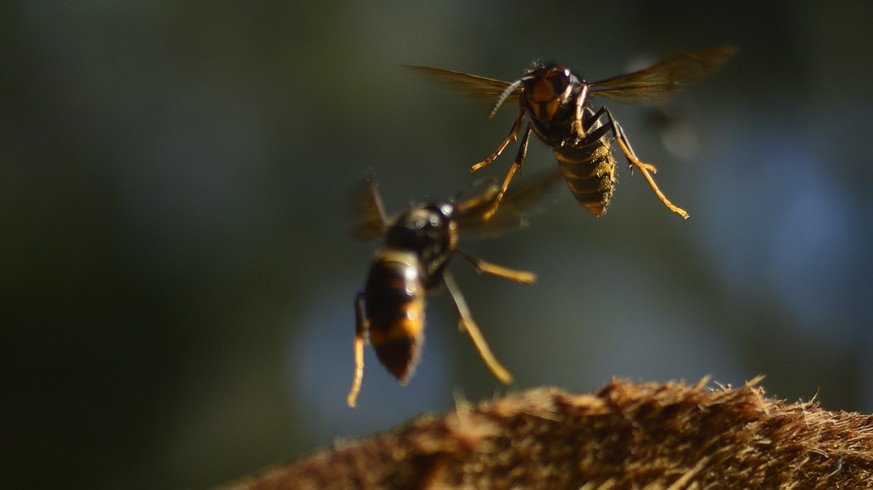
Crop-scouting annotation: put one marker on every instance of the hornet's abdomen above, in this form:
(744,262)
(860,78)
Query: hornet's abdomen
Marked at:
(589,168)
(394,302)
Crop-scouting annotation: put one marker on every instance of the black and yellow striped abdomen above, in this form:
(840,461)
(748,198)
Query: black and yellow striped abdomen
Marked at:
(394,299)
(589,169)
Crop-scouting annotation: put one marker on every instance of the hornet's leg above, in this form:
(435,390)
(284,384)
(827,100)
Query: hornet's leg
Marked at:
(523,277)
(360,330)
(644,168)
(580,104)
(519,160)
(513,133)
(480,200)
(467,323)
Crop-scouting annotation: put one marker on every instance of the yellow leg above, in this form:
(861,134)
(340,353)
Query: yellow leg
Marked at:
(519,160)
(645,168)
(580,103)
(523,277)
(359,353)
(513,133)
(467,323)
(480,200)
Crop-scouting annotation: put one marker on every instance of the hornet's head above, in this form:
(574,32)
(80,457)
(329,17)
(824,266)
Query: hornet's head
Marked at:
(547,87)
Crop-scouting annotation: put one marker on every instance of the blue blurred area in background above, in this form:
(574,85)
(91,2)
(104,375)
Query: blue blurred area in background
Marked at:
(178,276)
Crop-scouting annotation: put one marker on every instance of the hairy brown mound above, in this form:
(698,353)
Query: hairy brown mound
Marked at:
(627,435)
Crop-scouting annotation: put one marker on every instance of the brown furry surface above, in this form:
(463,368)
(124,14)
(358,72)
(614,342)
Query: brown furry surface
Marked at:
(627,435)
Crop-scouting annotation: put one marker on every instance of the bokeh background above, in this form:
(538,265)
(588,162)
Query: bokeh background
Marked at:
(177,275)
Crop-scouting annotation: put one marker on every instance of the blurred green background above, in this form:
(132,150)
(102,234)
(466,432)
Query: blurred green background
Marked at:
(177,277)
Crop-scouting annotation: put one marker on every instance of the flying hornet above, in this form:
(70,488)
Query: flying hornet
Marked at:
(418,245)
(557,100)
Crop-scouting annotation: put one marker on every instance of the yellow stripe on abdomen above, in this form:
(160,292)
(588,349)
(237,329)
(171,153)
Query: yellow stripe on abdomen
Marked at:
(590,173)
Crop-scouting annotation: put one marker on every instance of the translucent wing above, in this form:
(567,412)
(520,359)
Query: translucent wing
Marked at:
(665,79)
(369,214)
(518,203)
(481,88)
